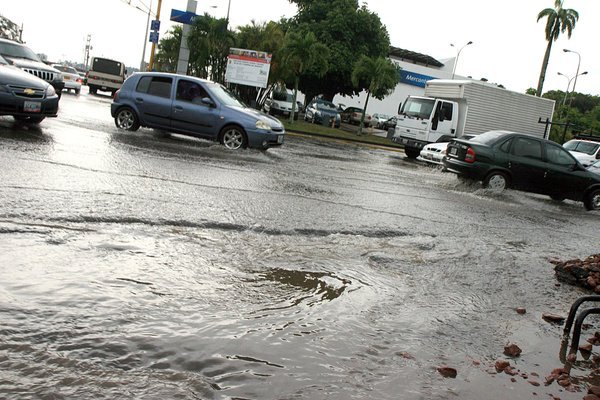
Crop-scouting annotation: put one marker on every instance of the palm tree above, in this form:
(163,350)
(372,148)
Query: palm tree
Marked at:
(559,20)
(301,53)
(379,76)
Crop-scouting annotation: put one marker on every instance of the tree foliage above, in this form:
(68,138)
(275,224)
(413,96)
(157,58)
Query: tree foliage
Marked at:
(558,20)
(168,50)
(301,53)
(349,31)
(209,42)
(379,76)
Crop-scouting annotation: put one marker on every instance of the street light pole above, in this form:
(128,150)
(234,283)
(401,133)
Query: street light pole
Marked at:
(568,86)
(577,72)
(457,55)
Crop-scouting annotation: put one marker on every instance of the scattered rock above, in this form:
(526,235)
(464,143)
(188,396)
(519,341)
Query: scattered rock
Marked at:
(511,371)
(534,383)
(572,357)
(564,382)
(406,355)
(501,365)
(521,310)
(447,372)
(591,397)
(512,350)
(582,273)
(594,390)
(554,318)
(586,348)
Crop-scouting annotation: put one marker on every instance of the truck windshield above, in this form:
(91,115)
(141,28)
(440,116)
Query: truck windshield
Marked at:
(418,108)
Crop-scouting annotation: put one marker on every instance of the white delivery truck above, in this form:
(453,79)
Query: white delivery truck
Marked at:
(453,108)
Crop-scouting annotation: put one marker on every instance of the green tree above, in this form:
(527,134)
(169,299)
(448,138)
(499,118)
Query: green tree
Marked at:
(209,42)
(302,52)
(349,31)
(379,76)
(559,20)
(168,50)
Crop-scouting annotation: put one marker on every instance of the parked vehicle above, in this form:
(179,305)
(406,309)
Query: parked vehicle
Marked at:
(106,75)
(442,114)
(193,106)
(300,106)
(379,120)
(279,102)
(585,151)
(595,167)
(502,159)
(353,115)
(23,57)
(390,123)
(24,96)
(322,112)
(434,153)
(71,77)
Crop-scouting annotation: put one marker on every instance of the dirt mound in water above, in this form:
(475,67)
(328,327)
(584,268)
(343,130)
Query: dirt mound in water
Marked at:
(582,273)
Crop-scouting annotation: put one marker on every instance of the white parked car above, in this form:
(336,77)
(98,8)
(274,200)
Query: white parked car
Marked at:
(379,119)
(71,77)
(585,151)
(434,153)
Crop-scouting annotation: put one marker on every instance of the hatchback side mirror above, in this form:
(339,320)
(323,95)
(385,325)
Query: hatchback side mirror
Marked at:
(208,102)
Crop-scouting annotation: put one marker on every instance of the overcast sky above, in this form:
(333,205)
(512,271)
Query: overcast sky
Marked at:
(508,44)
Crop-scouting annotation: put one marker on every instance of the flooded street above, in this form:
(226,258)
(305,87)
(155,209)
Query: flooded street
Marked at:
(143,265)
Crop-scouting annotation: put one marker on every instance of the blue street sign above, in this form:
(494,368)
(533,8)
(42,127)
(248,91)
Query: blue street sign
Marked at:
(155,25)
(153,37)
(412,78)
(185,17)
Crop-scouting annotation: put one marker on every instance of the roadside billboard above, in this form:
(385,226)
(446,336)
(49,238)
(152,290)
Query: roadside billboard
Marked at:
(248,67)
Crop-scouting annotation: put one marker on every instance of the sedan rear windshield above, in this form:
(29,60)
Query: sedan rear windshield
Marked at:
(582,147)
(488,137)
(325,105)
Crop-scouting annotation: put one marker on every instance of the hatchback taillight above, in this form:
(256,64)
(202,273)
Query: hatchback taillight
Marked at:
(116,96)
(470,156)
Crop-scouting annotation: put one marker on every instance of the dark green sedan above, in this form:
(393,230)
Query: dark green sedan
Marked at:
(502,159)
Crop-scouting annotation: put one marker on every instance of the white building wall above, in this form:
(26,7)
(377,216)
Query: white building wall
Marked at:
(389,105)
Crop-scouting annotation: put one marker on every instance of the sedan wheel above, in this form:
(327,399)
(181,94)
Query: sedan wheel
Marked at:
(496,181)
(233,138)
(126,119)
(592,200)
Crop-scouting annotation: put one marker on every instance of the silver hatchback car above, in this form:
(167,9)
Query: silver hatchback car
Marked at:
(192,106)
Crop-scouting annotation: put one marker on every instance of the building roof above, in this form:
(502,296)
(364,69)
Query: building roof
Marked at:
(415,57)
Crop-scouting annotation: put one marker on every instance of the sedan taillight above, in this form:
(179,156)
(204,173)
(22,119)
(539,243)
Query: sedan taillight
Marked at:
(470,156)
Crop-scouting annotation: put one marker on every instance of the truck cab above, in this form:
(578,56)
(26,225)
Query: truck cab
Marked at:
(423,120)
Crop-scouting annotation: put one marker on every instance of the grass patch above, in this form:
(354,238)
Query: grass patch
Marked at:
(337,133)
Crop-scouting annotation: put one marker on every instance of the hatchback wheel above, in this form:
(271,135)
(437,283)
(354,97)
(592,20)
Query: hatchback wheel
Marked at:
(496,181)
(592,200)
(233,138)
(127,119)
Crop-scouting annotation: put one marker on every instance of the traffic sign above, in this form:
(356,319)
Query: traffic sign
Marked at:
(153,37)
(185,17)
(155,25)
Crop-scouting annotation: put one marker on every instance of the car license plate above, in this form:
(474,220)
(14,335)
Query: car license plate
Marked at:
(66,77)
(453,151)
(32,106)
(286,113)
(280,139)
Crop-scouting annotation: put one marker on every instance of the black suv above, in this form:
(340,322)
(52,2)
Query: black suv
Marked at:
(502,159)
(23,57)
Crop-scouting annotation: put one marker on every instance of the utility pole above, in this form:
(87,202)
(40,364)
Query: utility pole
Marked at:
(151,64)
(88,47)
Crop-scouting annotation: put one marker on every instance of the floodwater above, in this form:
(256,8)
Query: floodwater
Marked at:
(140,265)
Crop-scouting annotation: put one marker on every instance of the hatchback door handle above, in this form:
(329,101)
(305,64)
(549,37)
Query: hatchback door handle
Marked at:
(139,100)
(178,108)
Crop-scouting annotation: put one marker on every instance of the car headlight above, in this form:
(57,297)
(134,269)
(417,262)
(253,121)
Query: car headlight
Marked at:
(59,77)
(50,91)
(260,124)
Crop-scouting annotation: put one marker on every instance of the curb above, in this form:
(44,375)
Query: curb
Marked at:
(347,140)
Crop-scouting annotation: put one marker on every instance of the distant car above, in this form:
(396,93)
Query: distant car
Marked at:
(24,96)
(353,115)
(434,153)
(379,120)
(595,167)
(585,151)
(23,57)
(322,112)
(192,106)
(71,77)
(390,123)
(502,159)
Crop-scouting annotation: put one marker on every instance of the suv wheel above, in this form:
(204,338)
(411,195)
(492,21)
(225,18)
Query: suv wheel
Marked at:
(592,200)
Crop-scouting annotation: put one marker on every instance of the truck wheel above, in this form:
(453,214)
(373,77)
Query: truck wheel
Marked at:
(411,153)
(496,181)
(592,200)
